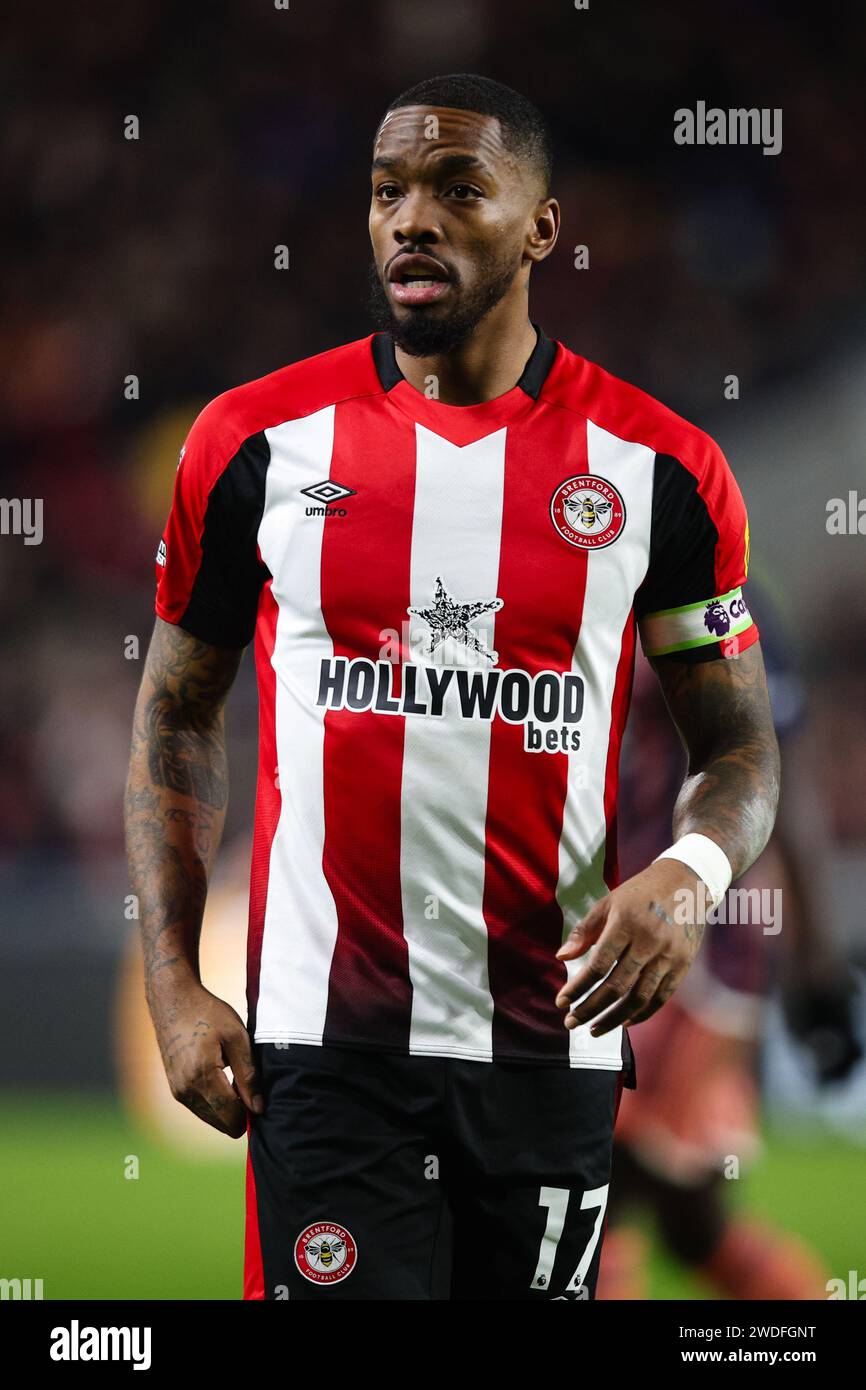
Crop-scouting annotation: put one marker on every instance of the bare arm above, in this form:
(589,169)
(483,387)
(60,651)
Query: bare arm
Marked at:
(722,711)
(174,810)
(641,932)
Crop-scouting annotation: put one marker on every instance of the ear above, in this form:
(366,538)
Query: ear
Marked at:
(546,218)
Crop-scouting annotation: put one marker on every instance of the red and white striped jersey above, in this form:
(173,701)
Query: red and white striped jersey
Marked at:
(444,601)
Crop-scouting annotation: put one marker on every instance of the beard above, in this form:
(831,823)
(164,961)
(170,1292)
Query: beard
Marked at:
(420,333)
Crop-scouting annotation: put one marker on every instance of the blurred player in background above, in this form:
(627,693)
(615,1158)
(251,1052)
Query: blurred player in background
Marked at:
(696,1107)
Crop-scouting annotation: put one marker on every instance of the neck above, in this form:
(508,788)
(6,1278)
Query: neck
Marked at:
(488,364)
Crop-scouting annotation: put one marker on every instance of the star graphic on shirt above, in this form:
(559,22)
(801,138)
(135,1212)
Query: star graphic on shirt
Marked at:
(447,618)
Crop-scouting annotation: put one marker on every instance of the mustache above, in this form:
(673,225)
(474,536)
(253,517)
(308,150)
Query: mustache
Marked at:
(420,335)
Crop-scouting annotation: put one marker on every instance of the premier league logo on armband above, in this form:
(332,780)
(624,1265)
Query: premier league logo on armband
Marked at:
(716,619)
(725,618)
(587,511)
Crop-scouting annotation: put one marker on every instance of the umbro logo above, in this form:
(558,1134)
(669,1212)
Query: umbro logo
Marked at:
(327,493)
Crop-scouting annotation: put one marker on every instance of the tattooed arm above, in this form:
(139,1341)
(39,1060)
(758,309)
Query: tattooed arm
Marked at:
(174,809)
(722,711)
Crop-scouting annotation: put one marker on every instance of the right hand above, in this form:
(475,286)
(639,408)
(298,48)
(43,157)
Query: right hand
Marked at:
(199,1035)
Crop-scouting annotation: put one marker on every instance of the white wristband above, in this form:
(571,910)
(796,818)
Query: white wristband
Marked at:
(707,859)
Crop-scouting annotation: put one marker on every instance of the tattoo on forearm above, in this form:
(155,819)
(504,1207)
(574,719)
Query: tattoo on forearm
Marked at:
(176,792)
(722,710)
(181,721)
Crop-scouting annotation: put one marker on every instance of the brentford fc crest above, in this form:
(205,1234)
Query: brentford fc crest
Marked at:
(325,1253)
(587,511)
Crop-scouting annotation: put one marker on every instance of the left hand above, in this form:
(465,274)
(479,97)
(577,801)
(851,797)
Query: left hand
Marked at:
(645,935)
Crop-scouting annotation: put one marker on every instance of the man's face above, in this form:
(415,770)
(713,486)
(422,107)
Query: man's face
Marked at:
(450,213)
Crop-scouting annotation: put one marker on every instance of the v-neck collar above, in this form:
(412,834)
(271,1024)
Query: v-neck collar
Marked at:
(462,423)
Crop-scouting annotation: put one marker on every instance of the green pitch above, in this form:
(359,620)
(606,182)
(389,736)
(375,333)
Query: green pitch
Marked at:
(70,1217)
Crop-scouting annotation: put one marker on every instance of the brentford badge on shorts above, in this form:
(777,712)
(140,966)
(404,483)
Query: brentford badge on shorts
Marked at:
(325,1253)
(587,511)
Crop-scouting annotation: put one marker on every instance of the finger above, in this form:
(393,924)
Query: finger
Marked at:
(611,990)
(613,943)
(669,986)
(212,1099)
(238,1052)
(585,932)
(651,990)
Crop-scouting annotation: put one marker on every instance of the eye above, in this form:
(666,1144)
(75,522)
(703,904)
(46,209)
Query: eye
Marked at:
(464,192)
(387,192)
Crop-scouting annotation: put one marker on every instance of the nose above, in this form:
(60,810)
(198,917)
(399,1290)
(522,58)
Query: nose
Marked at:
(417,221)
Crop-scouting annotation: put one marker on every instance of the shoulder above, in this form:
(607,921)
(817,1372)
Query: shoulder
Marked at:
(298,389)
(616,406)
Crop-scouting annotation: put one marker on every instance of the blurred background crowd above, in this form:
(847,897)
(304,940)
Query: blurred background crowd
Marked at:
(153,258)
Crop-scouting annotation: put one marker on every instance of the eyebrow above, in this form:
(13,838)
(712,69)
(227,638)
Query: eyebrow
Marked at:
(448,164)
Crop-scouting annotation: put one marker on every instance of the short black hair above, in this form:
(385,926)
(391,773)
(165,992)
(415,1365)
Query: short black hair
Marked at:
(524,130)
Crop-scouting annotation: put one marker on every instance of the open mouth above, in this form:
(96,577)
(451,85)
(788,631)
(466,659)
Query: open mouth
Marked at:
(417,279)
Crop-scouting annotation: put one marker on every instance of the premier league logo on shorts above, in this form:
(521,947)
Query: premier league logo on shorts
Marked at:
(325,1253)
(587,511)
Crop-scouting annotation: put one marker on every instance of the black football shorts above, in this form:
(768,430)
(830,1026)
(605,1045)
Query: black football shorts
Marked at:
(379,1176)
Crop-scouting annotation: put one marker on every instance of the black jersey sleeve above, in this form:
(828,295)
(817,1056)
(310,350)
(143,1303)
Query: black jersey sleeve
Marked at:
(209,569)
(691,601)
